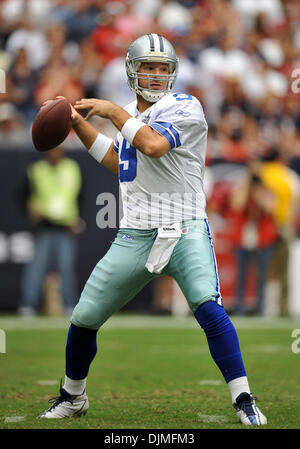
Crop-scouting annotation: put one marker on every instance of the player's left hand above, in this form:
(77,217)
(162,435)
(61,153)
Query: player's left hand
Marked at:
(102,108)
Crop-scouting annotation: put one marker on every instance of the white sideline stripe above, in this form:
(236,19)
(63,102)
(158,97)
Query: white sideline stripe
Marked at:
(47,382)
(120,321)
(9,419)
(210,382)
(2,341)
(268,348)
(212,418)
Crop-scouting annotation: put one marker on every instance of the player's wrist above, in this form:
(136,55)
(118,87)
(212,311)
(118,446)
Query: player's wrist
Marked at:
(114,112)
(100,147)
(130,129)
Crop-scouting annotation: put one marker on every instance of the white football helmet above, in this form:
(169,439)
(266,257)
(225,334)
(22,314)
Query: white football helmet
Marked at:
(156,48)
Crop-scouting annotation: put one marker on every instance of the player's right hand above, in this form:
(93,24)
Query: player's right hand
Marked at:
(75,116)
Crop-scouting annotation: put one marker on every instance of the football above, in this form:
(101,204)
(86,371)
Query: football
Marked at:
(51,125)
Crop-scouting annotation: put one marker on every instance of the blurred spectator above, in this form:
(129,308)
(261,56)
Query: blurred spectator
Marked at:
(290,54)
(81,21)
(24,81)
(271,9)
(216,64)
(262,80)
(268,120)
(59,49)
(61,11)
(90,66)
(284,185)
(198,36)
(254,234)
(234,98)
(15,10)
(30,38)
(132,21)
(291,113)
(233,148)
(174,18)
(225,59)
(113,83)
(51,193)
(146,8)
(58,80)
(110,41)
(233,126)
(13,132)
(186,71)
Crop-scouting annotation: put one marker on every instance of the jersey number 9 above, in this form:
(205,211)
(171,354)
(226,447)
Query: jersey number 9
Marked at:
(128,163)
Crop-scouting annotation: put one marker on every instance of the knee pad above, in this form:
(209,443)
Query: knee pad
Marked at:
(85,314)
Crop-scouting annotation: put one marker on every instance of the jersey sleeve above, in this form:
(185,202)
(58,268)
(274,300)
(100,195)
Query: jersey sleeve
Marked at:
(178,115)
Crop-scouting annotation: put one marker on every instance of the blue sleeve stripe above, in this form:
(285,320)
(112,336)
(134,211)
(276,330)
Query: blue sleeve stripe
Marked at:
(164,132)
(116,146)
(172,130)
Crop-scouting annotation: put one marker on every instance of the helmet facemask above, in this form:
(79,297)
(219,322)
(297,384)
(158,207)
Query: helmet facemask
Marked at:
(151,95)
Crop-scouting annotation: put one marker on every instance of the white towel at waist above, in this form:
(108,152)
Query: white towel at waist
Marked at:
(163,246)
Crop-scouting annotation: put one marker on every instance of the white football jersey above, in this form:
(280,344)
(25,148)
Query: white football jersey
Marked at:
(165,190)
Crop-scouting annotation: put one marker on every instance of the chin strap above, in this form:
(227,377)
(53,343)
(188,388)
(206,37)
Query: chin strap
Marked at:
(148,96)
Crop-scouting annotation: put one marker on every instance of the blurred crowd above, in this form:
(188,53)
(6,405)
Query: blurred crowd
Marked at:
(240,58)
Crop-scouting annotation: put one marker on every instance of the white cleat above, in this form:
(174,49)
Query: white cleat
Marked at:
(247,411)
(67,406)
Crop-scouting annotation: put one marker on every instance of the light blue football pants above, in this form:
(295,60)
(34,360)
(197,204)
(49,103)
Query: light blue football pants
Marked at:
(121,273)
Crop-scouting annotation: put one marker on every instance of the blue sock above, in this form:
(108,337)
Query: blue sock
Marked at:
(222,339)
(81,349)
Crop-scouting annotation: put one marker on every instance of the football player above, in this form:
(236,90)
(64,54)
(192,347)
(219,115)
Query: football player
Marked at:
(159,155)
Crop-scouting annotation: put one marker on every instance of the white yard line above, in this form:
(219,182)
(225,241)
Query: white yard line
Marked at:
(212,418)
(210,382)
(10,419)
(47,382)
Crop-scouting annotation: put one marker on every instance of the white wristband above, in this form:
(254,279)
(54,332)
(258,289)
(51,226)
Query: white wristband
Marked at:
(130,128)
(100,147)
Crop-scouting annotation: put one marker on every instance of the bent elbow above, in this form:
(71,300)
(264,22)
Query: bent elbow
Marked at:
(153,150)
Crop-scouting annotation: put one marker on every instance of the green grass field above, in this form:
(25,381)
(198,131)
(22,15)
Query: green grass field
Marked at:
(149,373)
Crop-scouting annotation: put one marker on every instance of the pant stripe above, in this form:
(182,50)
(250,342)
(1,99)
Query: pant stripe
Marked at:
(218,296)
